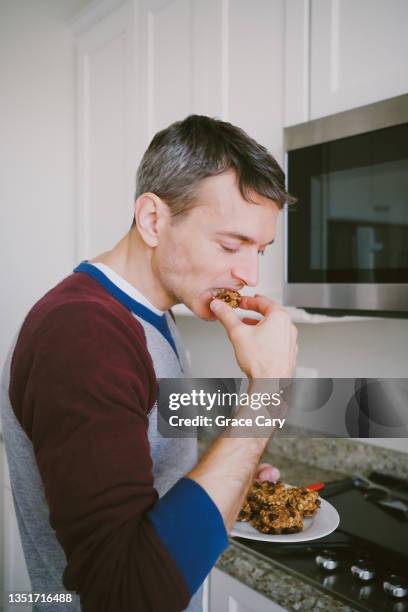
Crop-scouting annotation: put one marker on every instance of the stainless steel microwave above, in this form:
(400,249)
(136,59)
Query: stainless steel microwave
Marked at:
(346,239)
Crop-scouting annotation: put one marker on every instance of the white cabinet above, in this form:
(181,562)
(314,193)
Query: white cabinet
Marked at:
(216,58)
(342,54)
(180,61)
(226,594)
(358,53)
(297,62)
(254,41)
(106,135)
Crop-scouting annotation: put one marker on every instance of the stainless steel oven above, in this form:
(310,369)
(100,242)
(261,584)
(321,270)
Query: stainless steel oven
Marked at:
(346,239)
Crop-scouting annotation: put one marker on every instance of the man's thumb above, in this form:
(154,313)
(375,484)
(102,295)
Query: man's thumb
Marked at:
(225,314)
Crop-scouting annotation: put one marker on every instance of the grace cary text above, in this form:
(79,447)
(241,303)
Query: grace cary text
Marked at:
(223,421)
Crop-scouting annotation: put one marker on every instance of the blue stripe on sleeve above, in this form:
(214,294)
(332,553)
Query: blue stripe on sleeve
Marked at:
(191,527)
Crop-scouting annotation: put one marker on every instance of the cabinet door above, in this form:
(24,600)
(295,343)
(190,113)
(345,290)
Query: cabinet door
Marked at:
(106,112)
(252,81)
(358,53)
(297,62)
(227,594)
(180,61)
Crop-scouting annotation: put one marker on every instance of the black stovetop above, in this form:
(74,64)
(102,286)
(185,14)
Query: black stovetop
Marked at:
(369,536)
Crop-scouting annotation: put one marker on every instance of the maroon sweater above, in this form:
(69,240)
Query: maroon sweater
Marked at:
(83,400)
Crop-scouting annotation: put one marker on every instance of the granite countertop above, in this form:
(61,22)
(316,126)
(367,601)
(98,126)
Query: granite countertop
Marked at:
(276,583)
(267,576)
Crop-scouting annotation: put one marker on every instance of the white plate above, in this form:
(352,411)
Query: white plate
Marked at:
(321,524)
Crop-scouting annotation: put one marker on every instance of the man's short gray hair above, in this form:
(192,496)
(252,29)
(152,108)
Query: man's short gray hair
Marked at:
(188,151)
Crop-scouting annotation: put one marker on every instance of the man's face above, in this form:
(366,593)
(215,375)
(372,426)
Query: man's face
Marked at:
(216,245)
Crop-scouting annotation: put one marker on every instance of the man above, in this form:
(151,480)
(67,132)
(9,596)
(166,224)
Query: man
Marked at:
(107,508)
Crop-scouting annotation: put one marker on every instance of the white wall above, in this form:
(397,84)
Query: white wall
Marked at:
(37,174)
(372,349)
(37,187)
(376,348)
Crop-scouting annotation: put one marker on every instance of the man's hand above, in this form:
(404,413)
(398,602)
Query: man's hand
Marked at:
(266,471)
(263,349)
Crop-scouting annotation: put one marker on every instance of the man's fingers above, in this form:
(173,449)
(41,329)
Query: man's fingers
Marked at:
(225,315)
(268,472)
(260,304)
(250,321)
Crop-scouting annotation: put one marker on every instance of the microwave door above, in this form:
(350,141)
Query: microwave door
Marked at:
(367,247)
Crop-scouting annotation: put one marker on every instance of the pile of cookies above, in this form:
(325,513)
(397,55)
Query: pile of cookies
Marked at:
(275,509)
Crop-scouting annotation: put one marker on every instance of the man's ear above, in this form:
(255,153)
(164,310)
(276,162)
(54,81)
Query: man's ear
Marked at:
(151,213)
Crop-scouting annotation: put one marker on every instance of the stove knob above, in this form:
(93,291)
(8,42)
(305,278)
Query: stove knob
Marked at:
(327,560)
(365,592)
(396,586)
(363,570)
(330,580)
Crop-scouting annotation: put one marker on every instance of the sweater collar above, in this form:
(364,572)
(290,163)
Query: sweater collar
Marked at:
(141,311)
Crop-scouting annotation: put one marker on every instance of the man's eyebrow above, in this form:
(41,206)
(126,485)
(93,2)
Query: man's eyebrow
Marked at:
(241,237)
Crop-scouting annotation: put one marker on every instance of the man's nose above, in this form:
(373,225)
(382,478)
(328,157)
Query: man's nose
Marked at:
(247,270)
